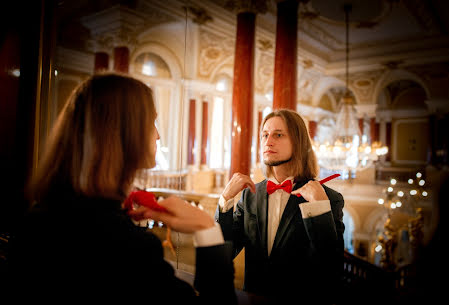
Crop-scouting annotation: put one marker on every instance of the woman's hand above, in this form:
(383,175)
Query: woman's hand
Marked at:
(181,216)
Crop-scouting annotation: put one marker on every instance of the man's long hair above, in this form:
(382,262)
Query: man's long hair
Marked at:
(303,162)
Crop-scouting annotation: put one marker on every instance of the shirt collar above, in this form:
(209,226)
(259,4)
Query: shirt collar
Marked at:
(272,179)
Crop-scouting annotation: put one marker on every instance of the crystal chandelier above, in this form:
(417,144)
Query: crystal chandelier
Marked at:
(413,194)
(348,151)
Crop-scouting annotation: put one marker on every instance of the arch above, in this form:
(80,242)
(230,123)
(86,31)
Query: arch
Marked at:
(373,219)
(383,100)
(326,83)
(395,75)
(412,102)
(222,82)
(355,217)
(330,100)
(322,86)
(165,53)
(223,68)
(348,235)
(152,65)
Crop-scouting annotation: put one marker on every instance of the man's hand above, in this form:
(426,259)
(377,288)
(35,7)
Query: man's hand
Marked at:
(237,183)
(312,191)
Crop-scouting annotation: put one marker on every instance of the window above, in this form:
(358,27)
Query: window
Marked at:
(216,137)
(150,64)
(223,83)
(349,231)
(266,111)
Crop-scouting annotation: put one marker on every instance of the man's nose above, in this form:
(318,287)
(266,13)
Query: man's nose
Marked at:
(269,141)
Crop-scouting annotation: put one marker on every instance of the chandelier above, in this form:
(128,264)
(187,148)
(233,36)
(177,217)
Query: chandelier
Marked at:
(393,198)
(407,200)
(347,151)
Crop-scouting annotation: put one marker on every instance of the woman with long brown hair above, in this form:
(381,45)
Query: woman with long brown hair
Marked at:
(77,239)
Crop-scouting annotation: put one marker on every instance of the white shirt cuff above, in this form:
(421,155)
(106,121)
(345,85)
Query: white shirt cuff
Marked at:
(311,209)
(208,237)
(225,205)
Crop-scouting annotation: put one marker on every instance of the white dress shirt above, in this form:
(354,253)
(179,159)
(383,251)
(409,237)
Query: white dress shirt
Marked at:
(276,205)
(212,236)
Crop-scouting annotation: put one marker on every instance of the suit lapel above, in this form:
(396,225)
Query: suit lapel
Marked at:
(262,212)
(290,212)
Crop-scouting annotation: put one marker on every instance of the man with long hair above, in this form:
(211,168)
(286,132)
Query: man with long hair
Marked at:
(293,244)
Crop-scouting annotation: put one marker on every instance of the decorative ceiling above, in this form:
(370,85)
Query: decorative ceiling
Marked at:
(377,27)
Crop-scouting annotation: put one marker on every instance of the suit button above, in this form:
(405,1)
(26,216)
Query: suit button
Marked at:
(309,214)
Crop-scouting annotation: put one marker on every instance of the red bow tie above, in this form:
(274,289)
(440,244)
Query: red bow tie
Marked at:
(286,186)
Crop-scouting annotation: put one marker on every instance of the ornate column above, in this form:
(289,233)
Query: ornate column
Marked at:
(101,61)
(191,135)
(121,59)
(361,123)
(388,133)
(243,87)
(367,120)
(102,51)
(259,121)
(374,128)
(384,117)
(285,63)
(204,133)
(313,125)
(118,36)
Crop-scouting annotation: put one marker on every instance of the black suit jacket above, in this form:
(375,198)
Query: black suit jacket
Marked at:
(88,249)
(306,260)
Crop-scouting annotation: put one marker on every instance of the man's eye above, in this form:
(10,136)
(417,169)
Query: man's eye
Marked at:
(278,135)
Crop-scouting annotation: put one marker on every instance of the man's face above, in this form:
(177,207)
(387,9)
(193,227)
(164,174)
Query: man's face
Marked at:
(276,144)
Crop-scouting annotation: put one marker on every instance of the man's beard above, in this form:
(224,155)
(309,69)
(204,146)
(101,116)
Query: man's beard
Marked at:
(276,163)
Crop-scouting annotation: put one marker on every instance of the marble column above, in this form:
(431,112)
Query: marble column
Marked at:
(285,62)
(374,129)
(259,121)
(204,134)
(101,62)
(242,95)
(121,59)
(361,121)
(312,129)
(191,136)
(388,140)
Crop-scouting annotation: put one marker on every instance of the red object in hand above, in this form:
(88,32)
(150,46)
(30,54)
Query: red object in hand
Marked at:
(324,181)
(144,198)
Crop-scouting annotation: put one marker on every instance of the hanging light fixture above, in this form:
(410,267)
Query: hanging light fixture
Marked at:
(348,152)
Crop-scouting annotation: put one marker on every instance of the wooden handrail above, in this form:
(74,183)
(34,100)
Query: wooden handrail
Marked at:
(362,278)
(188,196)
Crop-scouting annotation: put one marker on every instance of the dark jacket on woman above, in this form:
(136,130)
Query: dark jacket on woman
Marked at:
(74,247)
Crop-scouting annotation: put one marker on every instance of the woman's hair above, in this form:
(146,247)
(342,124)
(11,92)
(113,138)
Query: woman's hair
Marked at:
(303,161)
(100,140)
